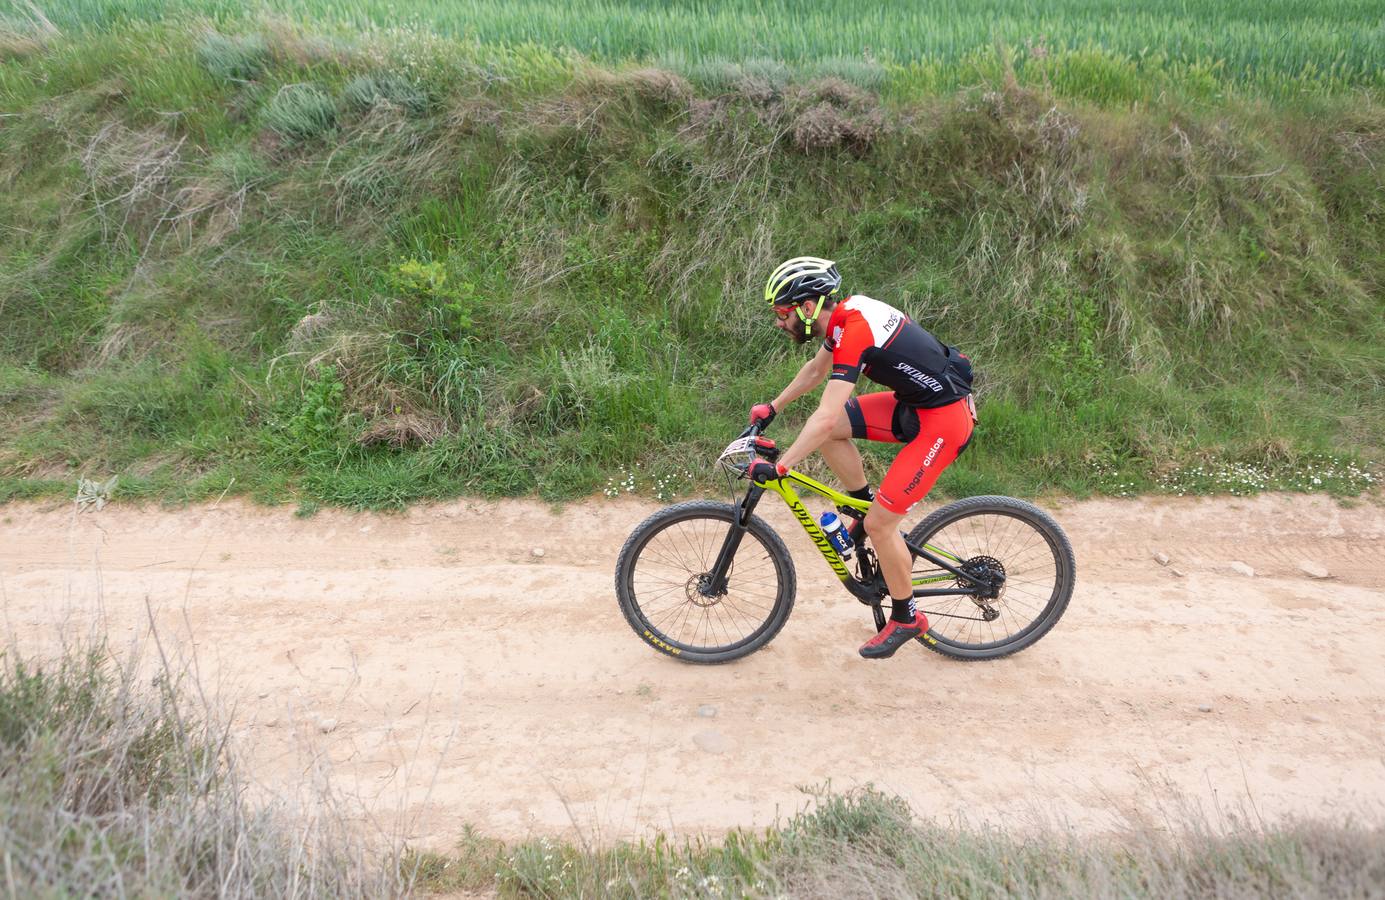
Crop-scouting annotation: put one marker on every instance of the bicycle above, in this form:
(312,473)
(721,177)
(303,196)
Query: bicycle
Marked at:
(703,607)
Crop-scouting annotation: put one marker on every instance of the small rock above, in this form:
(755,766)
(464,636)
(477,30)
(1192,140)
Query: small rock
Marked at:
(1177,573)
(712,741)
(264,694)
(537,552)
(271,722)
(1206,707)
(1241,568)
(1314,570)
(707,711)
(1161,558)
(1312,719)
(365,529)
(326,725)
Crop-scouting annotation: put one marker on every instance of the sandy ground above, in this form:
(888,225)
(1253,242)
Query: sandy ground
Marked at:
(446,675)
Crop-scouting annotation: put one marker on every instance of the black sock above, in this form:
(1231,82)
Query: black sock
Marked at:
(864,493)
(903,610)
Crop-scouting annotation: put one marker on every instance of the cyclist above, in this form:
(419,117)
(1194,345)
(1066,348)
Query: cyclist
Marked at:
(928,409)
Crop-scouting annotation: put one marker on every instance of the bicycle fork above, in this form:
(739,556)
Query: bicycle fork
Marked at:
(714,584)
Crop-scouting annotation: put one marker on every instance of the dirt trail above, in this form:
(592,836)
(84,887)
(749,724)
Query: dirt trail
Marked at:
(453,659)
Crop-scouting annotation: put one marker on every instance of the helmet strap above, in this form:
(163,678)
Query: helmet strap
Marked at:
(809,320)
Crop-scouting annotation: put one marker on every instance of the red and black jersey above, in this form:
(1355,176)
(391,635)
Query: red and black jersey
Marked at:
(867,336)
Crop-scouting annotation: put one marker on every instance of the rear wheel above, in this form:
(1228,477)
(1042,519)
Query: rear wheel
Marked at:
(664,586)
(1014,546)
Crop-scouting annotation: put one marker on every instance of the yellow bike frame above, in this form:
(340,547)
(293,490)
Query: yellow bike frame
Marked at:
(783,486)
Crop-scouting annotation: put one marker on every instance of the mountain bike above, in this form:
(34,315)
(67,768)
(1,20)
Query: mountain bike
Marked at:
(709,582)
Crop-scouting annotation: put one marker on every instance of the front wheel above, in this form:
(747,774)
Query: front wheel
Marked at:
(664,586)
(1014,546)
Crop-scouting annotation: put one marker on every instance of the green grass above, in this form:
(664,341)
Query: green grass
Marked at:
(868,844)
(405,267)
(1106,47)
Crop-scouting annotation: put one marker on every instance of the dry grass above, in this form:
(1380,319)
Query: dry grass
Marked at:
(146,186)
(114,784)
(399,430)
(26,32)
(825,126)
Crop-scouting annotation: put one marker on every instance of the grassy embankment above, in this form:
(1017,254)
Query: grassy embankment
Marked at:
(111,785)
(369,269)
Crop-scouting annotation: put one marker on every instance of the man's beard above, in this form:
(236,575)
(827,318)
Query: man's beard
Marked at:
(801,335)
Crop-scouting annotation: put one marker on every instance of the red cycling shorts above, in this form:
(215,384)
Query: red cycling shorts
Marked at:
(932,439)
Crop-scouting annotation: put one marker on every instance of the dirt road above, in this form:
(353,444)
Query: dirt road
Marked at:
(447,672)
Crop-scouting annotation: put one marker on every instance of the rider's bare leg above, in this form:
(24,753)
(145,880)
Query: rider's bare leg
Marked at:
(895,562)
(842,456)
(844,460)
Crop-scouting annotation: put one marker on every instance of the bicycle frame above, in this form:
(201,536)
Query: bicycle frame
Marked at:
(866,592)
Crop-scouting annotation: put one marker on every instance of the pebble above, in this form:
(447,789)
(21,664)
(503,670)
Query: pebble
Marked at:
(264,694)
(326,725)
(1313,570)
(365,529)
(271,722)
(1206,707)
(707,711)
(712,741)
(1161,558)
(1241,568)
(1312,719)
(537,552)
(1177,573)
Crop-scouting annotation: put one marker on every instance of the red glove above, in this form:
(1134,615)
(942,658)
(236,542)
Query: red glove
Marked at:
(762,414)
(767,471)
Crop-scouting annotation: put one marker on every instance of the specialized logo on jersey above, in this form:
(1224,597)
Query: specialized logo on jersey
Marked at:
(919,377)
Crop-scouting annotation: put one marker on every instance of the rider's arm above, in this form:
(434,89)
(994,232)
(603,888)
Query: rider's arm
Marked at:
(819,425)
(808,377)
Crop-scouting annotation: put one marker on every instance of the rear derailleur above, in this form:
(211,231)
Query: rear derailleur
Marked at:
(989,584)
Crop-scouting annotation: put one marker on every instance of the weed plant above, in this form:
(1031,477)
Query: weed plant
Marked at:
(300,111)
(113,786)
(372,271)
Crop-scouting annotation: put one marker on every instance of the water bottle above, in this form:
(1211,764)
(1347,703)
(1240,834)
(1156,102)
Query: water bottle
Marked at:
(836,534)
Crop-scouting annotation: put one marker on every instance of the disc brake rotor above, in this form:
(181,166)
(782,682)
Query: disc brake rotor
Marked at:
(698,589)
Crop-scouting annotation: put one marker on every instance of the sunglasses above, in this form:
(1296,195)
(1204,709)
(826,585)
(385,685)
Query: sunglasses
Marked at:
(783,312)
